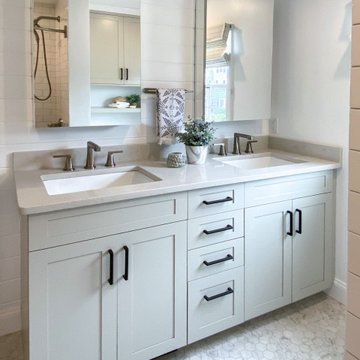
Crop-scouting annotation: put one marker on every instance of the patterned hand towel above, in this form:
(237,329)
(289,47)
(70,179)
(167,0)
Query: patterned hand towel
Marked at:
(170,114)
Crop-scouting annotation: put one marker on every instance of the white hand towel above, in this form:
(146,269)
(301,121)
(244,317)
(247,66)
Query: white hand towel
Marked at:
(170,114)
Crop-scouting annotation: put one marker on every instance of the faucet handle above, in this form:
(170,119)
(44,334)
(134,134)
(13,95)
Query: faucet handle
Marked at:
(68,161)
(222,150)
(110,158)
(249,148)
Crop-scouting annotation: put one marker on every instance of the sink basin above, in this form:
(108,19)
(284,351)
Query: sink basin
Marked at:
(57,185)
(258,162)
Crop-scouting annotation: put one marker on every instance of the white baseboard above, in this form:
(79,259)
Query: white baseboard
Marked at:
(10,322)
(338,291)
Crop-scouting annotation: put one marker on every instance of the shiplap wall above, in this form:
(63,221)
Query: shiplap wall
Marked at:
(168,57)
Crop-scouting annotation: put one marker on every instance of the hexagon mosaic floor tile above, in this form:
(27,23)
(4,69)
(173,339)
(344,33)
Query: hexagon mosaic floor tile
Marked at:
(308,330)
(311,329)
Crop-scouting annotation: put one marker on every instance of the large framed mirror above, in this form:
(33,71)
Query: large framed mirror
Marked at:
(234,47)
(86,62)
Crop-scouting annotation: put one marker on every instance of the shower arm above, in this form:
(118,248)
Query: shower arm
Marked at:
(37,27)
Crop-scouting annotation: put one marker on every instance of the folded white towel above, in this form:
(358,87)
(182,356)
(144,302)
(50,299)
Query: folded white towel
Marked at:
(170,114)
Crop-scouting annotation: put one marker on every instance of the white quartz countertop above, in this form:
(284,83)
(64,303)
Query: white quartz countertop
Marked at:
(34,199)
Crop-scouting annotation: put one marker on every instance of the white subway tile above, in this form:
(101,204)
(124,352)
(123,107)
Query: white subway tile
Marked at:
(9,224)
(9,291)
(9,269)
(9,246)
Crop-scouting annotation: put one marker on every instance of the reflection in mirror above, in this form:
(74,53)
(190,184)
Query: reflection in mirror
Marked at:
(238,59)
(87,62)
(50,56)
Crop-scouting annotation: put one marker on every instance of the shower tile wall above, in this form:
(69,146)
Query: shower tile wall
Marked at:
(62,71)
(55,108)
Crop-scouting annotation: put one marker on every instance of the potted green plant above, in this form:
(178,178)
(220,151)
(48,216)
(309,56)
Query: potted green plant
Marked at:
(197,136)
(133,100)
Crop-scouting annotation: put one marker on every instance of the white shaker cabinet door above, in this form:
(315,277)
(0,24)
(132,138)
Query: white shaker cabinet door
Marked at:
(106,49)
(267,258)
(132,51)
(72,305)
(152,301)
(312,245)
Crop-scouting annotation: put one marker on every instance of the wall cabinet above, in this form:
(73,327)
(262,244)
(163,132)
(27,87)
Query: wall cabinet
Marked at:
(139,278)
(115,50)
(288,252)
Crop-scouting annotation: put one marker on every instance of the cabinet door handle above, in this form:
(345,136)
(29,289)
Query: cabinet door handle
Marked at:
(226,228)
(111,277)
(127,74)
(121,74)
(299,230)
(211,298)
(218,201)
(227,258)
(291,232)
(126,273)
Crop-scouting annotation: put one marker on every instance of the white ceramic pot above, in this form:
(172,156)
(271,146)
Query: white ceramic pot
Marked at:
(196,155)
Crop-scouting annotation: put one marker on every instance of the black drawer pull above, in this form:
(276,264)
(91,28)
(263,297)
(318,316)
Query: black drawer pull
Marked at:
(127,73)
(111,276)
(299,230)
(211,298)
(291,232)
(126,274)
(226,228)
(227,258)
(218,201)
(121,74)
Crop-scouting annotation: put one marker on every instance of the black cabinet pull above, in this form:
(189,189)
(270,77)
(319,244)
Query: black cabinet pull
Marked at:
(127,74)
(291,232)
(218,201)
(121,74)
(111,277)
(299,230)
(211,298)
(226,228)
(126,274)
(227,258)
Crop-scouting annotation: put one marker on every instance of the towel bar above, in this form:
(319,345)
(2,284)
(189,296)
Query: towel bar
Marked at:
(154,91)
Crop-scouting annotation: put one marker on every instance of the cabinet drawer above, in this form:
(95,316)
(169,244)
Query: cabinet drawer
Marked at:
(213,229)
(213,259)
(223,308)
(287,188)
(69,226)
(215,200)
(354,294)
(352,335)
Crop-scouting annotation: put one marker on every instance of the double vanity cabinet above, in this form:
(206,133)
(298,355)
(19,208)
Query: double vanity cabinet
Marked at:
(139,278)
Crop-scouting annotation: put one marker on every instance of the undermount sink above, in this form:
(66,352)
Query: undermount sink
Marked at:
(76,182)
(258,161)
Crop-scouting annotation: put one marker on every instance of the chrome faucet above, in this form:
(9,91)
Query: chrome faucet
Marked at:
(237,137)
(91,147)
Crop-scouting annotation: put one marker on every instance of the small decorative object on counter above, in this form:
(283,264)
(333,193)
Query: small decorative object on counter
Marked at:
(134,101)
(197,136)
(176,160)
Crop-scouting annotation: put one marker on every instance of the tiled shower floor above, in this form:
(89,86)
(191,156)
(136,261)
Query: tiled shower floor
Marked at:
(308,330)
